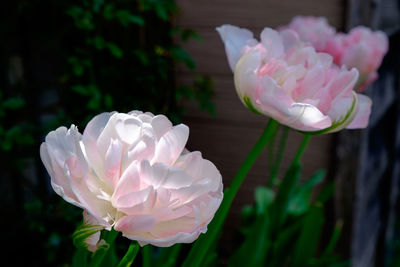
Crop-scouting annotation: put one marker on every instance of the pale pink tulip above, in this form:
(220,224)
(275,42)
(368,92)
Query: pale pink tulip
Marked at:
(313,30)
(288,80)
(361,48)
(133,173)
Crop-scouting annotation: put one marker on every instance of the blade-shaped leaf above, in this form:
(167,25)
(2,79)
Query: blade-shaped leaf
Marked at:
(283,244)
(301,199)
(309,236)
(168,256)
(334,238)
(263,196)
(256,245)
(285,192)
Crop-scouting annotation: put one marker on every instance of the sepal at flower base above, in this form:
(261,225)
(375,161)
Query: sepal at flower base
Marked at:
(87,235)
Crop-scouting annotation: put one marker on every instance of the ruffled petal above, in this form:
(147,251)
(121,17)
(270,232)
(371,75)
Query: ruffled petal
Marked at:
(171,145)
(364,110)
(236,40)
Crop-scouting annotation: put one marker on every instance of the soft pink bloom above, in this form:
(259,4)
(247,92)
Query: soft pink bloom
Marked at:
(286,79)
(133,173)
(361,48)
(313,30)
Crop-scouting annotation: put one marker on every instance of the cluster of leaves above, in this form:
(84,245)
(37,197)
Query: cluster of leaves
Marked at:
(284,228)
(12,135)
(125,58)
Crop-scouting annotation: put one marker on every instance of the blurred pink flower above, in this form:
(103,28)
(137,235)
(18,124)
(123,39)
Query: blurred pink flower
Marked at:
(288,80)
(132,172)
(313,30)
(361,48)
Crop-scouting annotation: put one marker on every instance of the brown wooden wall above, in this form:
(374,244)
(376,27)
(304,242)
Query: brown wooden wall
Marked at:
(227,138)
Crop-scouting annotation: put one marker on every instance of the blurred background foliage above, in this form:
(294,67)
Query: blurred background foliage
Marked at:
(62,62)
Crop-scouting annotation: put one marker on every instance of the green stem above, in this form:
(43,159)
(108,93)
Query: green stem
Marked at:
(302,148)
(201,247)
(146,254)
(277,163)
(102,251)
(271,151)
(266,136)
(130,255)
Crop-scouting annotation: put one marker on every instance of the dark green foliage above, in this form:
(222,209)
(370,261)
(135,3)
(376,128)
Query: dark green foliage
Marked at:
(284,229)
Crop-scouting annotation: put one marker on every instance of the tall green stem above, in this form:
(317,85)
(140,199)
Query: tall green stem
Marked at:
(146,254)
(279,157)
(130,255)
(201,247)
(302,148)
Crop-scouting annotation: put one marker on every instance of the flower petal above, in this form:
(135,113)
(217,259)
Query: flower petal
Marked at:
(236,40)
(160,125)
(272,42)
(132,224)
(171,145)
(364,110)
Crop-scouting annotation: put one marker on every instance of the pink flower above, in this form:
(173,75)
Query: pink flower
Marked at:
(361,48)
(313,30)
(288,80)
(132,172)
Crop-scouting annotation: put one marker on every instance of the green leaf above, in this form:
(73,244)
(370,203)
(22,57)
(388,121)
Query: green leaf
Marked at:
(147,252)
(168,256)
(80,89)
(111,258)
(6,144)
(13,103)
(108,101)
(77,67)
(161,12)
(301,199)
(109,11)
(264,196)
(98,42)
(248,211)
(83,18)
(83,232)
(307,242)
(125,17)
(130,255)
(203,244)
(254,249)
(143,57)
(181,55)
(285,192)
(80,257)
(188,34)
(97,5)
(283,244)
(115,50)
(334,238)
